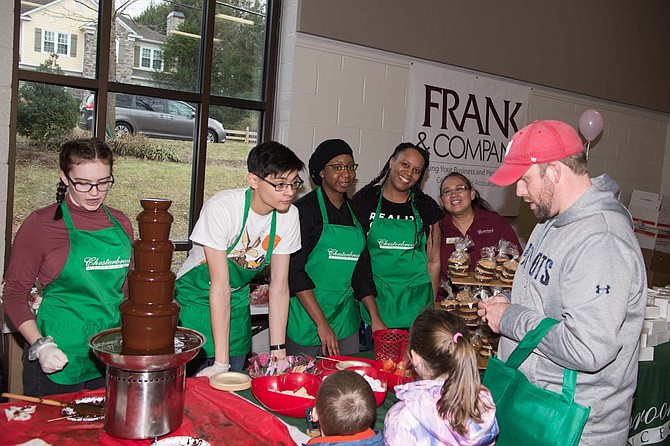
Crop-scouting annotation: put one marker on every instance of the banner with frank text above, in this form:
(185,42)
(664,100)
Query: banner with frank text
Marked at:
(465,121)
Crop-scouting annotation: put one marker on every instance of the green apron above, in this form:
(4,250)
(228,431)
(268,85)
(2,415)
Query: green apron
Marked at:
(330,265)
(399,268)
(192,293)
(84,299)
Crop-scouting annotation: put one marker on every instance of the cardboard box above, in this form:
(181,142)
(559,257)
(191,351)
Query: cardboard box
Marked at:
(651,217)
(645,200)
(644,227)
(650,280)
(647,255)
(656,278)
(662,242)
(660,261)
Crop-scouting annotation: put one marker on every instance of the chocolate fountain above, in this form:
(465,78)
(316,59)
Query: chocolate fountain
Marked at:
(146,358)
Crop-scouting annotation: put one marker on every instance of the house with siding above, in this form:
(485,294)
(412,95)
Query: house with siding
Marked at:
(68,28)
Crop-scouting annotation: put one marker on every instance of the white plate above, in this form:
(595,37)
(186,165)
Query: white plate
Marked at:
(346,364)
(231,381)
(181,441)
(73,415)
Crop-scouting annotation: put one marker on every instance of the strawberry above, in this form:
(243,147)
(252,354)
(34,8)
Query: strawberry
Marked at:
(388,366)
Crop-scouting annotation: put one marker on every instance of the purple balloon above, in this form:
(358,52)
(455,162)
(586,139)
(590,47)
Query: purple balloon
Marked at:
(591,124)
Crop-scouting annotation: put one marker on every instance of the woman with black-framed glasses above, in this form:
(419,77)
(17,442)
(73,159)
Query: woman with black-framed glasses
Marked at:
(76,252)
(332,273)
(469,214)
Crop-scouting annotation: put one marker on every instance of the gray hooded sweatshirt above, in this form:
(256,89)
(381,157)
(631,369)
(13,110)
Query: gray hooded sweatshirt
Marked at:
(584,268)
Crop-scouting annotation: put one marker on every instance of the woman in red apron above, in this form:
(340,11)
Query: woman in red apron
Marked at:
(78,252)
(403,230)
(331,274)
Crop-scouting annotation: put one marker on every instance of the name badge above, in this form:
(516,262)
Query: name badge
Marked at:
(451,240)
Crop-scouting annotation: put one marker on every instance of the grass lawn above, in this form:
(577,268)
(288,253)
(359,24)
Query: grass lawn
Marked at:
(37,178)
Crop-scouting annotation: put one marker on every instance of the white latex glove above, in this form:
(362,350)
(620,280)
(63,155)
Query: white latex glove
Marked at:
(52,359)
(218,367)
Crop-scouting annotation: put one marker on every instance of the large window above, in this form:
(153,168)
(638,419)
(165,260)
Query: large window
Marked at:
(181,91)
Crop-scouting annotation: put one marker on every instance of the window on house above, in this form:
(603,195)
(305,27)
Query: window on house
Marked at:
(208,109)
(152,59)
(49,45)
(62,46)
(55,42)
(157,60)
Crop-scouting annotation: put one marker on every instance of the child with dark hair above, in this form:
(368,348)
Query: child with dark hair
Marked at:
(346,410)
(447,405)
(239,233)
(77,253)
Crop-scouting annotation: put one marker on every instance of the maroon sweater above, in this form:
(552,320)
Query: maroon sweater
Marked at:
(487,229)
(40,250)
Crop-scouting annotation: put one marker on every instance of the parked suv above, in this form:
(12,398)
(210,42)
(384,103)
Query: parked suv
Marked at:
(155,117)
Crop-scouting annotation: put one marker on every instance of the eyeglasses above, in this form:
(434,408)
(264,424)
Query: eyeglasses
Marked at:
(102,186)
(457,190)
(281,187)
(342,167)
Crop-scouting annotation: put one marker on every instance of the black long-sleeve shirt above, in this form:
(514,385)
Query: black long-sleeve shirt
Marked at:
(311,226)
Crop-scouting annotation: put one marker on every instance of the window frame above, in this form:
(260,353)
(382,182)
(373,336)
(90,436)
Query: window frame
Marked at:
(103,86)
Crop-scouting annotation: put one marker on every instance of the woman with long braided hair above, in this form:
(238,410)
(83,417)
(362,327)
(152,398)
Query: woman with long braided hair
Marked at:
(403,236)
(77,252)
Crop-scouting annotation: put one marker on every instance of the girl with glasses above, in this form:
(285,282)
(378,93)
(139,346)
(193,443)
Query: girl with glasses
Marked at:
(76,254)
(469,214)
(331,274)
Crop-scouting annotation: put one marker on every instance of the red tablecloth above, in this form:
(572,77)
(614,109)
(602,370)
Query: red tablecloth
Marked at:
(217,416)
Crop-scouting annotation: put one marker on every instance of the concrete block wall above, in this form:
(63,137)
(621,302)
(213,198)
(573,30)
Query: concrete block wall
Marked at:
(332,89)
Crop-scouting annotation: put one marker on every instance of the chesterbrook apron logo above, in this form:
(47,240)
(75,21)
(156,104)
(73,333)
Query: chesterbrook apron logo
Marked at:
(93,263)
(385,244)
(334,254)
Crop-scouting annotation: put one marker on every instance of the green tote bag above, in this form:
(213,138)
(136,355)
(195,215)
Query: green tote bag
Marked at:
(527,414)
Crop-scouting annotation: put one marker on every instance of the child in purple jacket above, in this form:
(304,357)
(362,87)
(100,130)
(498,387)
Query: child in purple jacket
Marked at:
(447,405)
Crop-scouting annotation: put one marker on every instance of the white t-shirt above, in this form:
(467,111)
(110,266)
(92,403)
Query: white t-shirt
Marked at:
(220,223)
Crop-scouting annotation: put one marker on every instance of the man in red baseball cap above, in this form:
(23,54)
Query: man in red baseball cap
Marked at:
(536,158)
(582,266)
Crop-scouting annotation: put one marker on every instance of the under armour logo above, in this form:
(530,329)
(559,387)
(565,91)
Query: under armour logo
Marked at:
(606,289)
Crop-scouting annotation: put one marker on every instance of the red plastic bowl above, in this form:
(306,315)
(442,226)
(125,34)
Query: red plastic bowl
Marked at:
(374,374)
(289,405)
(391,378)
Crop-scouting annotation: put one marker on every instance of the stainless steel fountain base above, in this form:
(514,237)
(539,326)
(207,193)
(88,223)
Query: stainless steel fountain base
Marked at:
(144,394)
(143,404)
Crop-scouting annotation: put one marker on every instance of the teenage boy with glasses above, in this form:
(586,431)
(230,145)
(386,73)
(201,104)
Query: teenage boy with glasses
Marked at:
(240,232)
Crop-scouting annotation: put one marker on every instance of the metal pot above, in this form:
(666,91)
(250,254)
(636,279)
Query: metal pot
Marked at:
(143,405)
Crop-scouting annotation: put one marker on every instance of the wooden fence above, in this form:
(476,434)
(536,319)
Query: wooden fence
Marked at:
(243,135)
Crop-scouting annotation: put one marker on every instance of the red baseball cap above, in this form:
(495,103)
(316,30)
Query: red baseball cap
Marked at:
(537,143)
